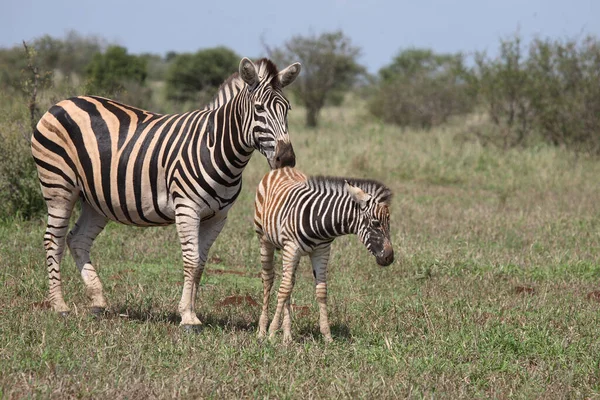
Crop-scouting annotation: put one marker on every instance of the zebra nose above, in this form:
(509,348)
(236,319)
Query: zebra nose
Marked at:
(285,156)
(387,258)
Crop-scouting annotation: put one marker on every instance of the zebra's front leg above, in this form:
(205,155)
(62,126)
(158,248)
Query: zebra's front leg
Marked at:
(267,251)
(196,240)
(80,240)
(287,314)
(291,257)
(319,260)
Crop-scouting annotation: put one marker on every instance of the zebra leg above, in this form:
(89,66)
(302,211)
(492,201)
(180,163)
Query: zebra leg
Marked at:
(267,251)
(287,313)
(291,257)
(80,241)
(209,231)
(59,214)
(196,241)
(319,259)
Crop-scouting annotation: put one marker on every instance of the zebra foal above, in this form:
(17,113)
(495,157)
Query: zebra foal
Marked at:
(145,169)
(302,216)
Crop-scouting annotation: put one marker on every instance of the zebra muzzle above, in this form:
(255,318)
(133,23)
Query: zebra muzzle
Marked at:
(386,257)
(284,155)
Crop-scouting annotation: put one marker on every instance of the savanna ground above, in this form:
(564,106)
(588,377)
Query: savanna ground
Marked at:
(494,291)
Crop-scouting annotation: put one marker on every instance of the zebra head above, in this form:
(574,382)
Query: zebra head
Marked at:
(374,222)
(270,108)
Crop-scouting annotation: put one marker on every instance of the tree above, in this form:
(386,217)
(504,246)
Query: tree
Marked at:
(329,68)
(156,66)
(412,63)
(70,55)
(421,88)
(110,70)
(191,76)
(550,91)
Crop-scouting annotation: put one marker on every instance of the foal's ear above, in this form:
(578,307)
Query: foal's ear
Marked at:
(358,195)
(248,73)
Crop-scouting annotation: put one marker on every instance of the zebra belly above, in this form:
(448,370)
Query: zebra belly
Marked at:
(142,210)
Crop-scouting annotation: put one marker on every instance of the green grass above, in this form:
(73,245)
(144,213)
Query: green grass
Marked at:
(491,293)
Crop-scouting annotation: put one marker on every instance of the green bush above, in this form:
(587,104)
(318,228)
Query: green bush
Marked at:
(422,89)
(108,72)
(20,194)
(565,92)
(196,77)
(553,93)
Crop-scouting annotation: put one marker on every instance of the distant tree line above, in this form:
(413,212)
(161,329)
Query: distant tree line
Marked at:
(549,90)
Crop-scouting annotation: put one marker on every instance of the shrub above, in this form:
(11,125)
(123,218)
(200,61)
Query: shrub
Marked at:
(554,93)
(502,85)
(196,77)
(109,71)
(20,194)
(422,89)
(565,92)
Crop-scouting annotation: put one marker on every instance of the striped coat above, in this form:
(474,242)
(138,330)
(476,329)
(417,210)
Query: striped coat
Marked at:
(146,169)
(302,216)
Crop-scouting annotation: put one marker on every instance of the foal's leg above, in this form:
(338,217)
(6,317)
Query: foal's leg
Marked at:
(291,256)
(287,313)
(267,251)
(319,259)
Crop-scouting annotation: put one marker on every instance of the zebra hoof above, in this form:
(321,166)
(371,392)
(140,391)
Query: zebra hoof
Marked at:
(191,328)
(64,314)
(97,311)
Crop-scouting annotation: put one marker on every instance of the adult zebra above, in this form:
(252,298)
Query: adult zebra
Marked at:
(145,169)
(303,215)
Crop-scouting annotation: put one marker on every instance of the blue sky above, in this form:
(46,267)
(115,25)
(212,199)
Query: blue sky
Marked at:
(380,28)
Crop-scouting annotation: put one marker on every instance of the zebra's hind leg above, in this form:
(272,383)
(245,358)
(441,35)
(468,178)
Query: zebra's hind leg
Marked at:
(59,214)
(319,259)
(80,241)
(267,251)
(291,257)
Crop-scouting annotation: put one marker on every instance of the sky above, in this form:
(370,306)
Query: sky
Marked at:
(380,28)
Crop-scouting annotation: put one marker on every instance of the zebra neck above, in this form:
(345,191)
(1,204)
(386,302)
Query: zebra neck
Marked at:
(352,217)
(227,134)
(344,218)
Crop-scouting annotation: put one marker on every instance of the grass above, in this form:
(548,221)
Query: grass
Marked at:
(493,292)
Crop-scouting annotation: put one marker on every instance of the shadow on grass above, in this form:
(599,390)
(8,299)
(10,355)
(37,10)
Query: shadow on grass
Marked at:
(165,317)
(306,333)
(340,332)
(125,312)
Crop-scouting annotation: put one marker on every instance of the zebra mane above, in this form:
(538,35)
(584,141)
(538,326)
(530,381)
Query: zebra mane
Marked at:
(378,190)
(267,71)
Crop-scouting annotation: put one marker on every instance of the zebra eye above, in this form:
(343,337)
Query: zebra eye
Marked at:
(376,224)
(259,107)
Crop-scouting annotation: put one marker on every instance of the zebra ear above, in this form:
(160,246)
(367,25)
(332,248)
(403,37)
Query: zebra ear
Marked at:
(357,194)
(289,74)
(248,73)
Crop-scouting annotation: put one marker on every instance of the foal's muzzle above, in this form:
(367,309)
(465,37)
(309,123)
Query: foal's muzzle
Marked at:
(386,257)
